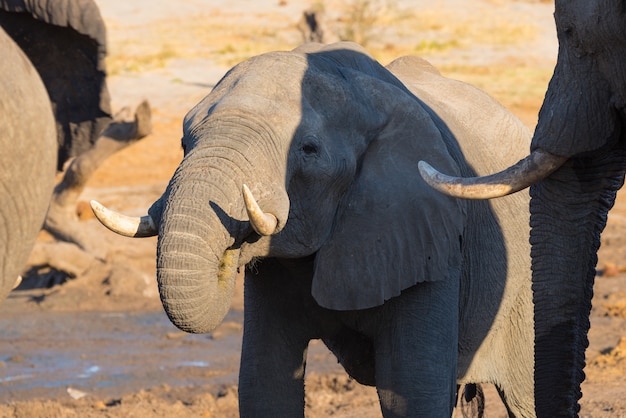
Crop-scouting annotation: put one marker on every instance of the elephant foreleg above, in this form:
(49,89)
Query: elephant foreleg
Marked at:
(416,352)
(271,377)
(275,340)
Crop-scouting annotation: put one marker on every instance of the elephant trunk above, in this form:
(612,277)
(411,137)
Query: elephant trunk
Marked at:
(569,209)
(568,213)
(203,222)
(196,261)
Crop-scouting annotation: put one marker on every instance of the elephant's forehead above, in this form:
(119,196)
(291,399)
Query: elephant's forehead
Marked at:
(278,83)
(272,75)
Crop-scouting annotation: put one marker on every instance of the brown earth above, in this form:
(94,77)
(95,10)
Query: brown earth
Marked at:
(99,344)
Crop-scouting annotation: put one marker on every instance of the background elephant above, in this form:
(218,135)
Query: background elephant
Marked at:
(62,44)
(580,138)
(343,241)
(28,159)
(66,42)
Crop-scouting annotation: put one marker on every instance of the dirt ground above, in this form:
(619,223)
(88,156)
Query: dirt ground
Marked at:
(99,345)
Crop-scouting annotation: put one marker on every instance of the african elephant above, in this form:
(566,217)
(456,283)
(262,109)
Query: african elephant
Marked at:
(413,291)
(576,167)
(28,159)
(54,104)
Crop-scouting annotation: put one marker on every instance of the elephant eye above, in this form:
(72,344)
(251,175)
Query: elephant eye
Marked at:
(310,146)
(309,149)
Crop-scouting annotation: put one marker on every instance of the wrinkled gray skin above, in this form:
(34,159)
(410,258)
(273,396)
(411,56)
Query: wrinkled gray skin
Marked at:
(62,43)
(583,117)
(27,160)
(66,42)
(412,290)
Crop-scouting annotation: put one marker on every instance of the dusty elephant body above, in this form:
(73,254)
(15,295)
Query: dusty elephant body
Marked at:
(51,109)
(412,290)
(579,150)
(61,44)
(27,162)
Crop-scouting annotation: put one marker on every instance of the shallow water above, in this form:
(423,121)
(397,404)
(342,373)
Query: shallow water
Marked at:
(42,354)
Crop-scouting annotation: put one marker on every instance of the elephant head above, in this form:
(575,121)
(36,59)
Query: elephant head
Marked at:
(293,154)
(575,168)
(66,42)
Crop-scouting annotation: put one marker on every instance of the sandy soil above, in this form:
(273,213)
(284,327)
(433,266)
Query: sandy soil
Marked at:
(99,345)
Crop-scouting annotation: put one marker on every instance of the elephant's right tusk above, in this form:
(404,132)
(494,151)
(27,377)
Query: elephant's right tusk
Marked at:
(127,226)
(263,223)
(532,169)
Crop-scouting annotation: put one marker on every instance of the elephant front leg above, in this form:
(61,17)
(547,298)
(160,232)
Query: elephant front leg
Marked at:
(416,352)
(275,341)
(271,377)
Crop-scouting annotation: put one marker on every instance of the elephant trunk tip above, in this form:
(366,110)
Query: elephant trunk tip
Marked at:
(198,301)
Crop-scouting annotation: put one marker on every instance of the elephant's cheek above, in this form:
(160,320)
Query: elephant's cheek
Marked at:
(295,244)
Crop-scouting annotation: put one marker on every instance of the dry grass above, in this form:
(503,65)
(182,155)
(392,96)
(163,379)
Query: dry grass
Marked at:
(224,38)
(382,27)
(361,21)
(386,30)
(124,61)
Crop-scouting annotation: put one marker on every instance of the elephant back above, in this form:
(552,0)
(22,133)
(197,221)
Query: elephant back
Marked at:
(489,136)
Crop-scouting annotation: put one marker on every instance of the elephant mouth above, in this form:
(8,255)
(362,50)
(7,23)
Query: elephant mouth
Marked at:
(228,267)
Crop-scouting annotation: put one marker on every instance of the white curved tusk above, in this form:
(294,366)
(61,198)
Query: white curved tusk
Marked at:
(17,282)
(127,226)
(532,169)
(263,223)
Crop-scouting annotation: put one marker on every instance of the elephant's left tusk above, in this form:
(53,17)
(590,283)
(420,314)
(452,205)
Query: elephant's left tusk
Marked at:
(127,226)
(263,223)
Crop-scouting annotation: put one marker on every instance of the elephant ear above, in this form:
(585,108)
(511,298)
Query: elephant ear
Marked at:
(391,230)
(66,42)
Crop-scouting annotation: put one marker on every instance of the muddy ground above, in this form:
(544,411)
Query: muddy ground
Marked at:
(99,345)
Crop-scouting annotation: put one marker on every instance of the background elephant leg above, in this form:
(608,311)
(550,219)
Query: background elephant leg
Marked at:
(275,340)
(416,351)
(62,220)
(76,250)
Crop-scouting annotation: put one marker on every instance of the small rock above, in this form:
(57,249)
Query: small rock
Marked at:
(75,393)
